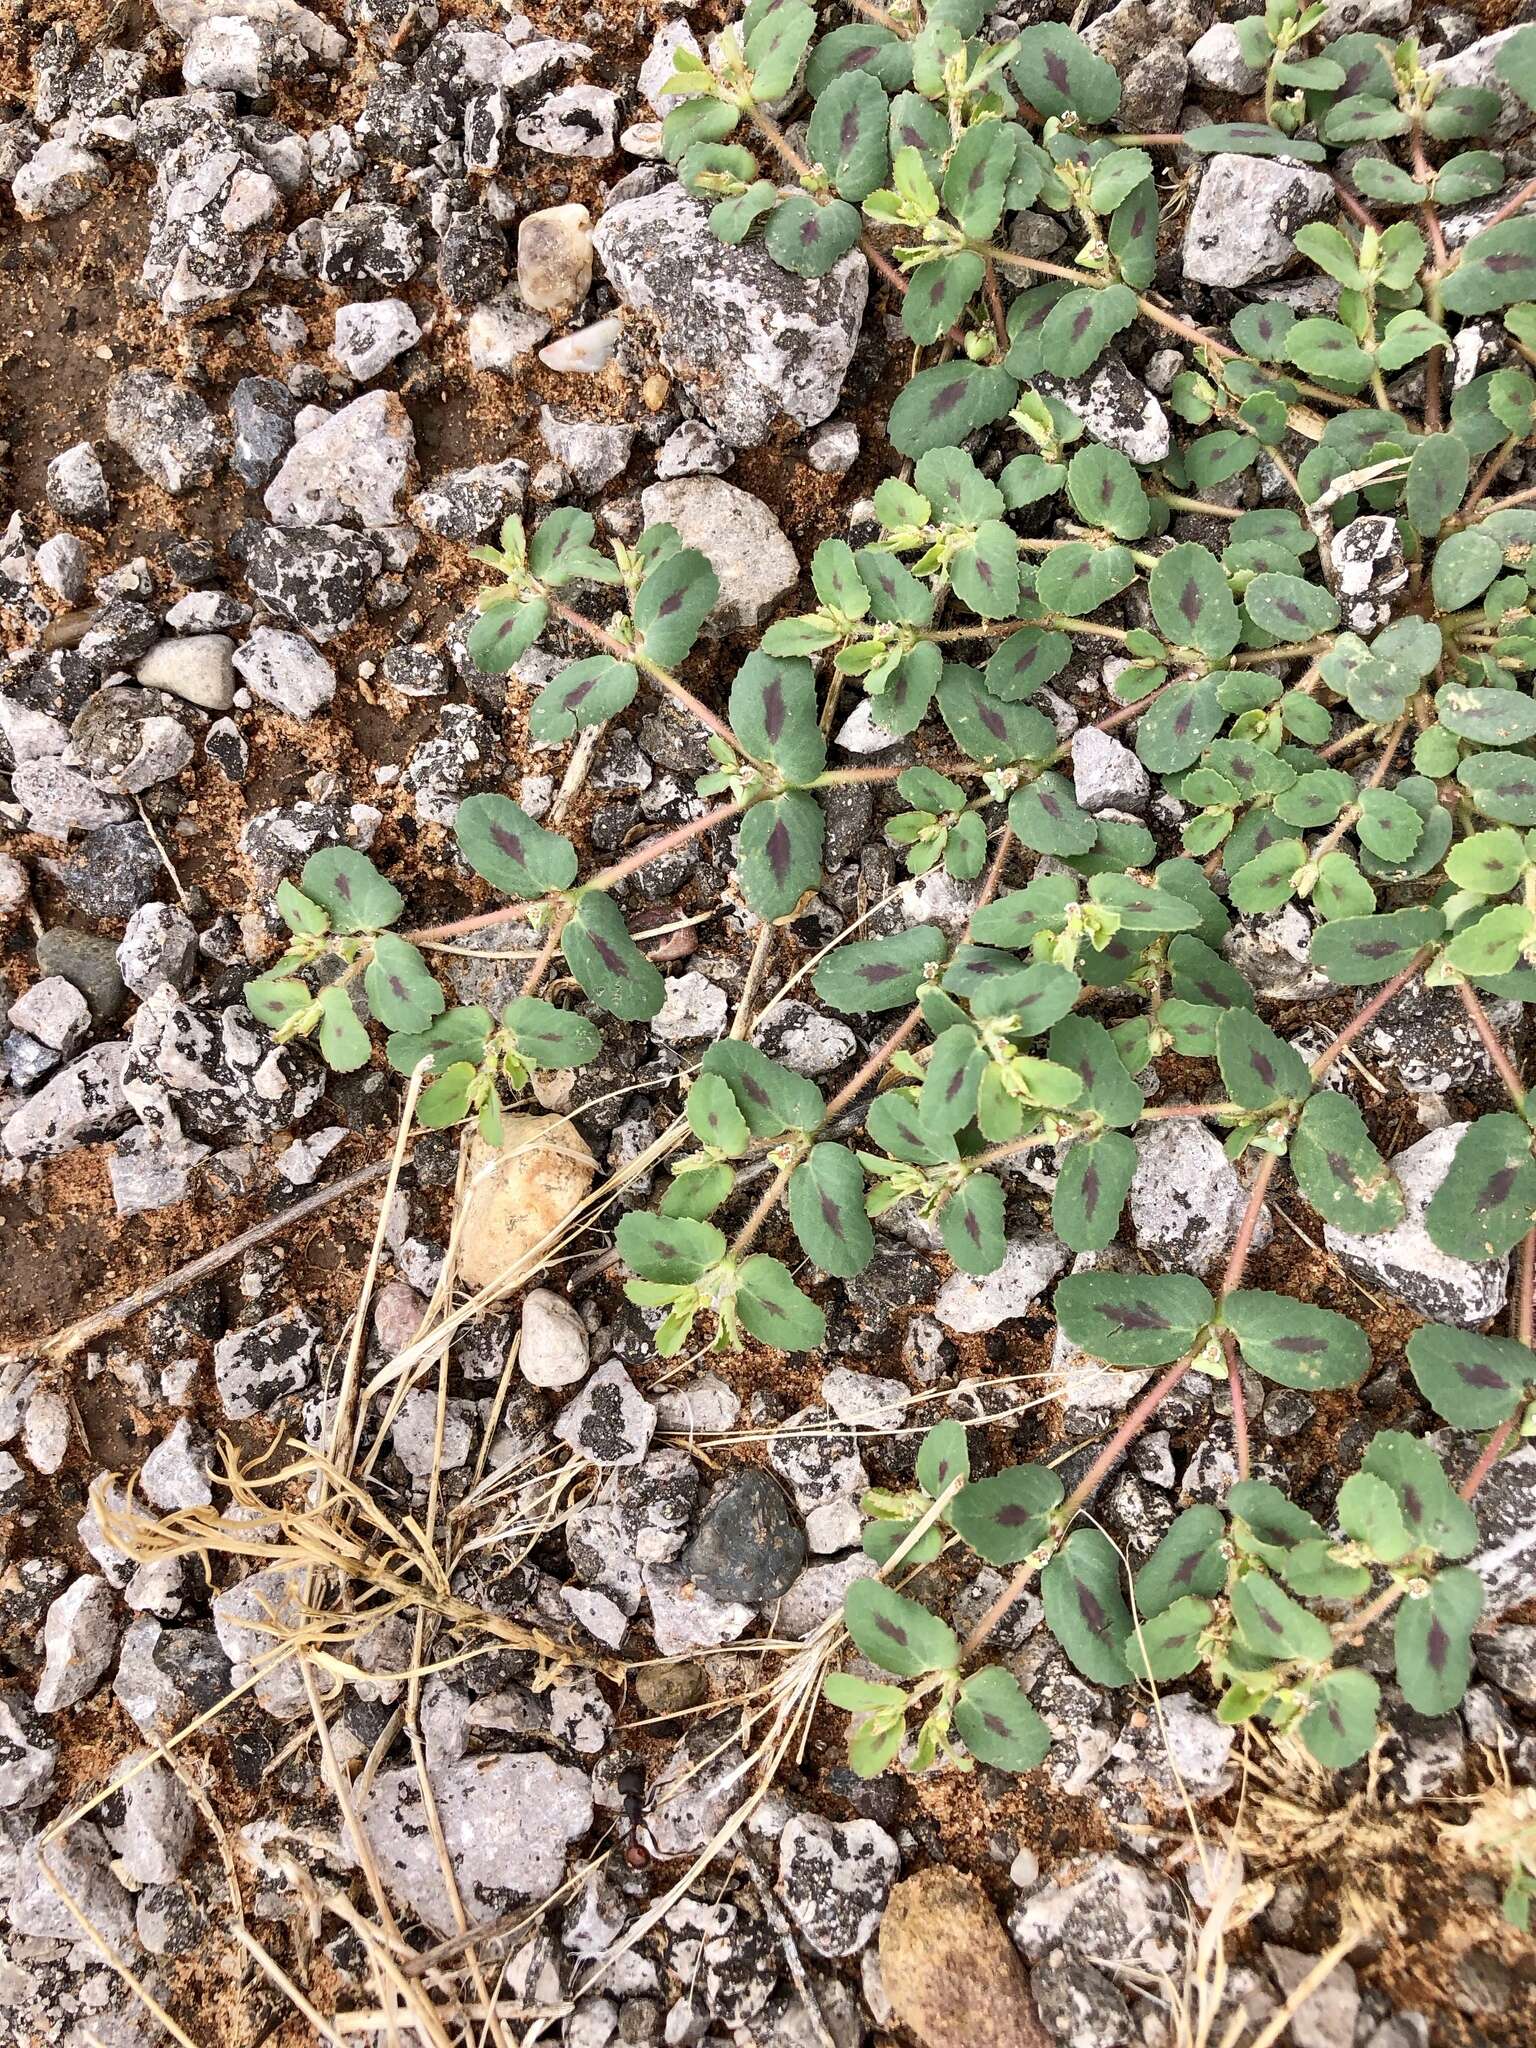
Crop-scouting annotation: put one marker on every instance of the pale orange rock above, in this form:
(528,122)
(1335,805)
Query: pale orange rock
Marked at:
(949,1969)
(518,1194)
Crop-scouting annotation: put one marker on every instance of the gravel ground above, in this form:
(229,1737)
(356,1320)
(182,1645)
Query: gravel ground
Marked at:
(295,305)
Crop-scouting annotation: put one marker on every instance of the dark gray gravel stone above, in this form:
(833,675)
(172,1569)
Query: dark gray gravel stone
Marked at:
(261,412)
(748,1545)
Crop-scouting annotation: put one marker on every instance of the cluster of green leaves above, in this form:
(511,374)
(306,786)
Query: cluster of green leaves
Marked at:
(1256,679)
(339,918)
(1226,1590)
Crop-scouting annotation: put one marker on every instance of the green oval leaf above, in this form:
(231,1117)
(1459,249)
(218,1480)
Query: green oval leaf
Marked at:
(847,133)
(1339,1725)
(402,992)
(1188,1560)
(997,1724)
(343,1037)
(1260,1070)
(1357,952)
(1295,1343)
(674,1249)
(1167,1645)
(504,845)
(826,1207)
(972,1224)
(1472,1382)
(879,974)
(1134,1320)
(1487,1201)
(584,694)
(897,1634)
(1090,1191)
(1432,1640)
(1006,1518)
(769,1096)
(941,406)
(1191,602)
(607,963)
(672,604)
(1085,1608)
(780,860)
(810,239)
(773,1309)
(1339,1169)
(350,889)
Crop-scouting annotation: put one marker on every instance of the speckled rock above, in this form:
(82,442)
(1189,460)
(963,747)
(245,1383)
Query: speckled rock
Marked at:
(970,1305)
(748,550)
(750,341)
(835,1879)
(608,1422)
(507,1822)
(350,469)
(1186,1198)
(1245,216)
(1405,1260)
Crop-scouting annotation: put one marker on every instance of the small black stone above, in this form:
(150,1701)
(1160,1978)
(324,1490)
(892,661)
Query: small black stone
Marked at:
(748,1545)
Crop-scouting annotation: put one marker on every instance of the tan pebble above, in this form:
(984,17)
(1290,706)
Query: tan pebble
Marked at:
(518,1195)
(949,1969)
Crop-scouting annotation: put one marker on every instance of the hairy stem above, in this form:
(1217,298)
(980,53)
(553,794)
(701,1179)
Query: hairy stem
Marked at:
(1134,1422)
(873,1065)
(605,878)
(1370,1010)
(1293,650)
(1239,1406)
(1503,1065)
(1516,203)
(877,1060)
(663,678)
(871,12)
(1130,1428)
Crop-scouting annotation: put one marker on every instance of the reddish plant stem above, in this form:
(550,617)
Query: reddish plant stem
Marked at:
(995,307)
(1525,1327)
(1492,1451)
(1434,363)
(832,777)
(1494,505)
(874,1063)
(765,1206)
(1129,711)
(1344,742)
(1360,215)
(662,677)
(653,849)
(547,951)
(1351,812)
(1428,211)
(1243,1243)
(1368,1011)
(1130,1428)
(1503,1065)
(1239,1406)
(1512,205)
(1133,1423)
(1490,470)
(904,1030)
(871,1067)
(874,13)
